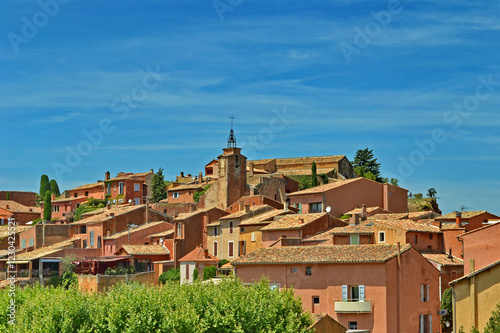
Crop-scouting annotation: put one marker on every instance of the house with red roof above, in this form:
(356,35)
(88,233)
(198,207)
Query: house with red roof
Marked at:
(143,256)
(371,288)
(469,220)
(196,260)
(481,247)
(20,214)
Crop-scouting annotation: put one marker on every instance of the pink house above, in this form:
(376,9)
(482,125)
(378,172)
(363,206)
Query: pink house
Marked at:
(481,247)
(345,195)
(372,288)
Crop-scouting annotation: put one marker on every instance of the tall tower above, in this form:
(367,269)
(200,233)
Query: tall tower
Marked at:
(232,172)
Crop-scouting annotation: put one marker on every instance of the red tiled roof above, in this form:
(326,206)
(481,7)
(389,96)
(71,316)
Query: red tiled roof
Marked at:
(364,227)
(16,207)
(4,230)
(139,228)
(408,225)
(465,215)
(308,160)
(199,254)
(295,221)
(106,214)
(265,218)
(358,210)
(145,250)
(255,209)
(326,187)
(321,254)
(443,259)
(88,186)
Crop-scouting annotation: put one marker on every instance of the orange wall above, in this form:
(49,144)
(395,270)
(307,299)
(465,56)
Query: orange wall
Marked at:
(483,246)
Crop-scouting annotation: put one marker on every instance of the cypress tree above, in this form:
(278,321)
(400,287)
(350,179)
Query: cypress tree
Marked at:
(7,196)
(158,187)
(44,185)
(54,188)
(47,206)
(314,176)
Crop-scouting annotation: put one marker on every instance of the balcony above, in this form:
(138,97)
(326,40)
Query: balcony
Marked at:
(353,306)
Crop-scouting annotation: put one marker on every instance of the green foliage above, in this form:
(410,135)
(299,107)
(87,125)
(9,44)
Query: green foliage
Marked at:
(7,197)
(158,187)
(55,281)
(47,206)
(173,274)
(324,178)
(90,205)
(303,180)
(314,175)
(345,217)
(447,303)
(431,193)
(493,325)
(197,195)
(195,274)
(209,272)
(222,262)
(36,221)
(364,159)
(117,270)
(418,195)
(54,188)
(197,308)
(68,279)
(394,181)
(44,185)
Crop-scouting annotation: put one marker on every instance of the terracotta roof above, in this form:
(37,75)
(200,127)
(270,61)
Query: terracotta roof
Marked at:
(390,216)
(465,215)
(408,225)
(302,172)
(139,228)
(69,199)
(88,186)
(451,226)
(326,187)
(309,160)
(195,186)
(105,215)
(265,218)
(184,216)
(45,251)
(163,233)
(358,210)
(419,215)
(443,259)
(480,229)
(263,161)
(363,227)
(295,221)
(199,254)
(321,254)
(4,230)
(255,209)
(485,268)
(135,250)
(16,207)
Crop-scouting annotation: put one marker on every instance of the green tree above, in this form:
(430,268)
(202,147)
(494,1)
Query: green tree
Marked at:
(493,325)
(394,182)
(173,274)
(431,193)
(7,197)
(195,274)
(447,304)
(314,175)
(54,188)
(158,187)
(68,278)
(197,195)
(364,161)
(44,185)
(47,206)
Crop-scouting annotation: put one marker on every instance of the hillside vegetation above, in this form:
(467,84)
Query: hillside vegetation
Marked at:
(423,204)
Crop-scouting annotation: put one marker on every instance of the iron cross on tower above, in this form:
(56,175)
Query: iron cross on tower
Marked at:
(231,141)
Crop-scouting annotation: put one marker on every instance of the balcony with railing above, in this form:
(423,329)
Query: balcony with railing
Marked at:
(353,306)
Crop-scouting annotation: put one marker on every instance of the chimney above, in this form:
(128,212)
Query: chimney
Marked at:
(472,265)
(354,220)
(247,208)
(108,206)
(301,220)
(364,214)
(242,205)
(175,214)
(251,168)
(7,207)
(53,196)
(450,256)
(107,175)
(287,204)
(205,253)
(182,174)
(459,219)
(111,214)
(200,177)
(189,175)
(151,170)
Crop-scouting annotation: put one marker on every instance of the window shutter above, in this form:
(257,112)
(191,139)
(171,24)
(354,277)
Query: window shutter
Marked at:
(422,293)
(344,292)
(427,289)
(361,293)
(421,329)
(253,236)
(430,323)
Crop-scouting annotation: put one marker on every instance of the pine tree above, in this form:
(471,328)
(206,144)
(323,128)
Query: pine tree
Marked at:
(7,197)
(54,188)
(314,175)
(365,162)
(44,185)
(47,206)
(158,187)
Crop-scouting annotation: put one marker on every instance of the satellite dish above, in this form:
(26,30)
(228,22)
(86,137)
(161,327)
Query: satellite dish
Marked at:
(443,312)
(129,200)
(161,240)
(328,209)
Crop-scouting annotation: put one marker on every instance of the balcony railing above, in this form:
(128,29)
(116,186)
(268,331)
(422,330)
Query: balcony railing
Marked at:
(353,306)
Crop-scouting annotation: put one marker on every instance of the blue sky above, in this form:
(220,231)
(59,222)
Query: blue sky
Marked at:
(152,83)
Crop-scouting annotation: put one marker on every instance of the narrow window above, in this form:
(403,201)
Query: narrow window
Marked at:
(294,270)
(121,187)
(231,226)
(99,242)
(136,187)
(187,272)
(253,236)
(430,236)
(31,242)
(416,239)
(315,300)
(216,231)
(381,236)
(179,230)
(23,243)
(87,193)
(215,249)
(308,271)
(231,249)
(91,239)
(108,189)
(353,325)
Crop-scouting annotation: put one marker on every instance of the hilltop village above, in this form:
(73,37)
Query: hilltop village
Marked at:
(349,247)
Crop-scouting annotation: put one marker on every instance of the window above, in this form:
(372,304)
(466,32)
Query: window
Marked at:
(2,221)
(294,270)
(215,249)
(424,293)
(99,242)
(231,249)
(355,239)
(91,239)
(308,271)
(87,193)
(108,190)
(187,272)
(315,207)
(315,300)
(231,227)
(353,293)
(430,236)
(75,195)
(352,325)
(137,187)
(237,160)
(242,229)
(179,230)
(425,323)
(416,239)
(83,229)
(142,265)
(23,243)
(381,236)
(429,247)
(31,242)
(121,187)
(243,248)
(253,236)
(216,231)
(175,195)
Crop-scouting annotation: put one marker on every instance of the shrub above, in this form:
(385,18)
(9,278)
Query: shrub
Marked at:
(173,274)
